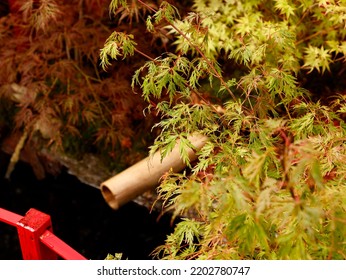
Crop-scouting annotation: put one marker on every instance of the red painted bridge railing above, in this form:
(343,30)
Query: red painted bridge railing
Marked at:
(36,237)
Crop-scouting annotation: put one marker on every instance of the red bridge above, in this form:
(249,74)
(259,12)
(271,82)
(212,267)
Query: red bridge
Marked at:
(36,237)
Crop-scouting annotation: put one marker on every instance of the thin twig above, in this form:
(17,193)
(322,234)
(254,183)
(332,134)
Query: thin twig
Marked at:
(145,55)
(16,154)
(87,79)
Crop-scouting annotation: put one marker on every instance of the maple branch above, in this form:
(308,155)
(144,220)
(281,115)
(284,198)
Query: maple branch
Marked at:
(216,74)
(145,55)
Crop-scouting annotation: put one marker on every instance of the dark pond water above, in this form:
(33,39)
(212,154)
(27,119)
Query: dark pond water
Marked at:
(80,217)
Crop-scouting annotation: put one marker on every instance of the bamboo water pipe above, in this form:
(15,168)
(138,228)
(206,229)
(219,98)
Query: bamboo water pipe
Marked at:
(146,174)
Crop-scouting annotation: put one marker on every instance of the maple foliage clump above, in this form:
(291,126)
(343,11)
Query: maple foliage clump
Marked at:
(264,81)
(270,181)
(53,88)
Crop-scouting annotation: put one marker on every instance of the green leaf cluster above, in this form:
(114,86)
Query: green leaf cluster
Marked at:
(270,182)
(117,44)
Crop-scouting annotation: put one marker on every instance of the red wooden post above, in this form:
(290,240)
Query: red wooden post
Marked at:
(30,228)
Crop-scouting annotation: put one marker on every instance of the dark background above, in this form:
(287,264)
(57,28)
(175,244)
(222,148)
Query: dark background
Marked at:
(80,216)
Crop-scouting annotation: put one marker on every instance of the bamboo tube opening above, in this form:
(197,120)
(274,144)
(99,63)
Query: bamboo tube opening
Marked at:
(109,197)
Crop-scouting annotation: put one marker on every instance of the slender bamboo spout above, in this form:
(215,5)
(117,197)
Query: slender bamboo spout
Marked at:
(146,174)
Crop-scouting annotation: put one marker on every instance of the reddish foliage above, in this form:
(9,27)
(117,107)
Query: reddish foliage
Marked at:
(49,53)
